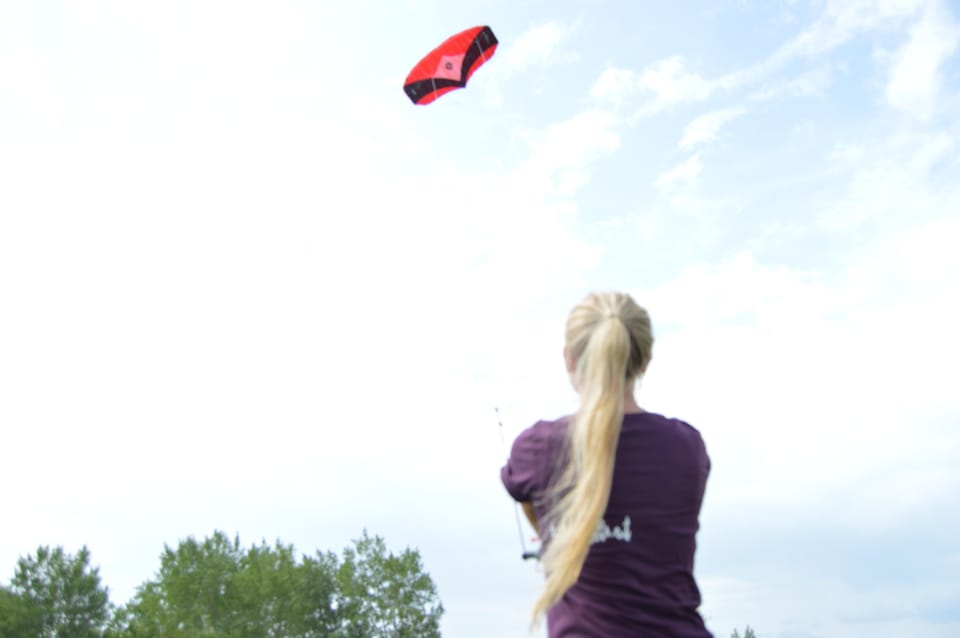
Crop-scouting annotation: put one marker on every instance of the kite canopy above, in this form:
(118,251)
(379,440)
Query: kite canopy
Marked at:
(450,65)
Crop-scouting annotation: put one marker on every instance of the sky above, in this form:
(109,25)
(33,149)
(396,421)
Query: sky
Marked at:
(246,285)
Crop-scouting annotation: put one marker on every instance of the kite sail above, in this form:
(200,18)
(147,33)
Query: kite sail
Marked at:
(450,65)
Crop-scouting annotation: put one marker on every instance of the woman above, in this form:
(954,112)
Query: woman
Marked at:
(614,491)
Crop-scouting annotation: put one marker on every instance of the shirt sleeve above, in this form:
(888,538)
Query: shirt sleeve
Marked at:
(524,475)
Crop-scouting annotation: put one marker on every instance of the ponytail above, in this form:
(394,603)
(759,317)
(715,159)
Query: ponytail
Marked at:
(607,356)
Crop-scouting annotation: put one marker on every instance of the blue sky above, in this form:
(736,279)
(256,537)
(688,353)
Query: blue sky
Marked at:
(246,285)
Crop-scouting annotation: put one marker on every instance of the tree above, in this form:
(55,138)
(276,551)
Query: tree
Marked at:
(386,596)
(17,618)
(55,595)
(215,588)
(287,598)
(747,633)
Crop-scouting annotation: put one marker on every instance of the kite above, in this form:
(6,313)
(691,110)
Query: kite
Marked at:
(450,65)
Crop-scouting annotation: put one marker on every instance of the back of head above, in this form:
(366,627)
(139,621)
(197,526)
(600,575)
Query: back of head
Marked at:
(609,342)
(608,329)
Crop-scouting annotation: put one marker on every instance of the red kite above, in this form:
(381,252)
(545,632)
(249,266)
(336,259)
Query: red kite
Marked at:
(450,65)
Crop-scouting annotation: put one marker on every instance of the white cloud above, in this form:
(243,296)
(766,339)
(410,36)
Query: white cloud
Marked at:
(803,360)
(223,281)
(541,46)
(32,87)
(813,83)
(890,180)
(915,79)
(562,153)
(840,21)
(614,85)
(686,173)
(235,247)
(231,261)
(844,609)
(671,82)
(706,127)
(929,253)
(710,294)
(537,48)
(668,80)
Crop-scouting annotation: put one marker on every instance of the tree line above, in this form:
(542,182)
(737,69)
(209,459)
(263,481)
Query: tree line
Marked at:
(215,588)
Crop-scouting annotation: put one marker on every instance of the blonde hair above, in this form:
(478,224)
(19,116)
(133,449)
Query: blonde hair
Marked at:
(610,341)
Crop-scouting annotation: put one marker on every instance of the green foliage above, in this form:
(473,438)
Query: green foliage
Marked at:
(386,596)
(17,617)
(216,589)
(747,633)
(54,595)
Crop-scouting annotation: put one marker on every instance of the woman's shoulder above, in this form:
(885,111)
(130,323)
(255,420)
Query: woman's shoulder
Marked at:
(544,432)
(531,460)
(669,424)
(671,433)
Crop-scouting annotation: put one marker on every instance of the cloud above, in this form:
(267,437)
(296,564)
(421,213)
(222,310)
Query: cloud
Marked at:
(671,83)
(32,87)
(667,80)
(223,282)
(266,233)
(813,83)
(844,609)
(230,258)
(540,46)
(915,80)
(889,181)
(840,21)
(809,358)
(686,173)
(560,155)
(706,127)
(788,365)
(832,337)
(614,85)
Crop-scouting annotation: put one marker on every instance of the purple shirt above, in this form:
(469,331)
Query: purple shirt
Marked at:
(637,580)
